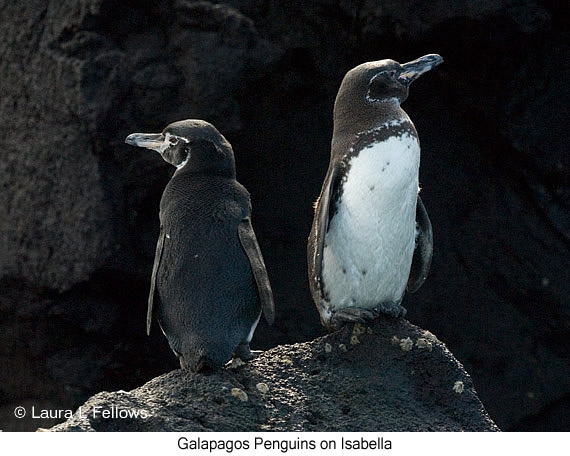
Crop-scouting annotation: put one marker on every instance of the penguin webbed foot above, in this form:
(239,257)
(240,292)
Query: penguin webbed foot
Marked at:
(391,308)
(364,316)
(351,315)
(242,354)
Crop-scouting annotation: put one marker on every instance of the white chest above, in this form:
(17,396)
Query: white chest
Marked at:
(370,241)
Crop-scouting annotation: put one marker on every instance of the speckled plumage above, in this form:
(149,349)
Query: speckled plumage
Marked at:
(371,237)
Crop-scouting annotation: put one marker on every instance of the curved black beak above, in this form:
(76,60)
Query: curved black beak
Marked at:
(414,69)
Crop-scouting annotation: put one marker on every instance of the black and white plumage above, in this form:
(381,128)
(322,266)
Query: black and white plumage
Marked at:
(371,238)
(209,283)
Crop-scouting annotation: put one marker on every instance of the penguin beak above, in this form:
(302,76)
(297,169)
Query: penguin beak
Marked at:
(153,141)
(414,69)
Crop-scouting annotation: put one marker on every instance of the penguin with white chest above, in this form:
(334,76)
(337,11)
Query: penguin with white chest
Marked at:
(371,238)
(209,284)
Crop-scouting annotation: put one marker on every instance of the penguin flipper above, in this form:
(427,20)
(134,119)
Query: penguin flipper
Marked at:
(323,211)
(156,265)
(253,252)
(421,260)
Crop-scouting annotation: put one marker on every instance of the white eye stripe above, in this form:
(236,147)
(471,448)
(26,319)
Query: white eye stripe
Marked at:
(370,99)
(171,140)
(390,73)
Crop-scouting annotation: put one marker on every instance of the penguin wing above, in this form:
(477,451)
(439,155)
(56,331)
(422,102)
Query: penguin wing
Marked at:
(253,252)
(157,258)
(421,260)
(323,214)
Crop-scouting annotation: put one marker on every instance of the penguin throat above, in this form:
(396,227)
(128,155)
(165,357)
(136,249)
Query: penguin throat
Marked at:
(390,100)
(183,162)
(396,122)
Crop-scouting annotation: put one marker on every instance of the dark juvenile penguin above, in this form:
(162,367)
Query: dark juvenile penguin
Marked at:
(371,237)
(209,282)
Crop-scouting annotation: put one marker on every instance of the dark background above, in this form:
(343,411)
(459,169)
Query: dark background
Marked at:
(80,208)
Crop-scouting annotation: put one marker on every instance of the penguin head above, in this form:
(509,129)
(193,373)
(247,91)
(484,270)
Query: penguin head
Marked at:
(385,81)
(190,145)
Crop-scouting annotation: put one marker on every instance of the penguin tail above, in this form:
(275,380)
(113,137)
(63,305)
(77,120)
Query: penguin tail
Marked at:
(201,364)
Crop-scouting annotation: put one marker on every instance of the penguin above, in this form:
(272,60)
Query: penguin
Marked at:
(371,237)
(209,283)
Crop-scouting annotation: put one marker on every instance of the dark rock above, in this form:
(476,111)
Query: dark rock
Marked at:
(392,376)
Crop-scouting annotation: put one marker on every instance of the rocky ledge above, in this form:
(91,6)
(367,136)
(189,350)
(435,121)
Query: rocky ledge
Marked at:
(389,376)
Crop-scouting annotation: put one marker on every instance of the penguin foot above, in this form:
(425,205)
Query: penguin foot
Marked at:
(351,315)
(255,353)
(242,354)
(234,363)
(360,315)
(391,308)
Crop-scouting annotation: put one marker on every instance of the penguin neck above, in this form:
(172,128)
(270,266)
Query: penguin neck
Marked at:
(349,122)
(227,172)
